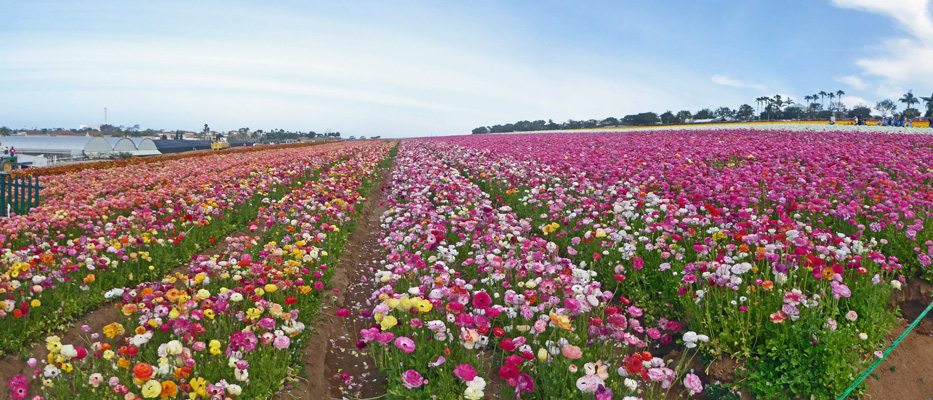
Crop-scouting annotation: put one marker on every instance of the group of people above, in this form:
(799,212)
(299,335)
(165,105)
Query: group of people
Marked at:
(886,121)
(8,152)
(892,121)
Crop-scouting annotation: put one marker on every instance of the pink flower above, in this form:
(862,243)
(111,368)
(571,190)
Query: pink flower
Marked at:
(281,342)
(571,352)
(693,384)
(412,379)
(405,344)
(481,300)
(343,312)
(465,372)
(654,333)
(319,285)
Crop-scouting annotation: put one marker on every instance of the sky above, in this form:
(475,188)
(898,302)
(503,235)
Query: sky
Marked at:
(424,68)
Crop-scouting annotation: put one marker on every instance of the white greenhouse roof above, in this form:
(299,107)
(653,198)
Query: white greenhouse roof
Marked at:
(66,146)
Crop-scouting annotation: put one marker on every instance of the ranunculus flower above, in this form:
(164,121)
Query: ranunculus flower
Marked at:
(465,372)
(405,344)
(412,379)
(571,352)
(693,384)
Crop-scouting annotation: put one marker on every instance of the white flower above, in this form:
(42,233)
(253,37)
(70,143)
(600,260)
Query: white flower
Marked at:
(630,384)
(863,336)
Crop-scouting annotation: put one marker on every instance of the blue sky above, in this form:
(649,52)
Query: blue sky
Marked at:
(401,69)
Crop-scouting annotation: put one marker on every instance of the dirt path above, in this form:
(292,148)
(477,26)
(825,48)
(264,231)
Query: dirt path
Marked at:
(907,373)
(331,354)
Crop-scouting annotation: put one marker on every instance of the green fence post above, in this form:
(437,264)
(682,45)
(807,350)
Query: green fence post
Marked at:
(3,194)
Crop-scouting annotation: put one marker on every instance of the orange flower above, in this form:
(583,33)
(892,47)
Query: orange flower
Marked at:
(169,389)
(173,294)
(767,285)
(123,363)
(129,309)
(146,291)
(140,330)
(743,247)
(89,278)
(143,371)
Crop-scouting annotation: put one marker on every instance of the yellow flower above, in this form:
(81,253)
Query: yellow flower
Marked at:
(209,313)
(253,313)
(393,303)
(174,314)
(388,322)
(259,291)
(425,306)
(108,355)
(203,293)
(270,288)
(152,389)
(113,329)
(214,343)
(216,350)
(67,367)
(53,344)
(35,303)
(198,386)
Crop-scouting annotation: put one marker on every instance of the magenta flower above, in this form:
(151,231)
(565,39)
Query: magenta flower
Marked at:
(412,379)
(465,372)
(481,300)
(405,344)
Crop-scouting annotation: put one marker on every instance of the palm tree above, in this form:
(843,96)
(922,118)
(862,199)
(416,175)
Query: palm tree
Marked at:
(839,94)
(831,96)
(929,103)
(909,98)
(822,93)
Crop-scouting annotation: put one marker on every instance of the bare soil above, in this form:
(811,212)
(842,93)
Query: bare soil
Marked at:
(907,373)
(331,354)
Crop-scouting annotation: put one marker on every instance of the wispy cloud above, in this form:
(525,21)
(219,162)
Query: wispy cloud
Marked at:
(852,80)
(901,63)
(727,81)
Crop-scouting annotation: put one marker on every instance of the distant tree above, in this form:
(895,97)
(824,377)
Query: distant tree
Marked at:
(611,121)
(109,130)
(4,131)
(668,118)
(641,119)
(551,125)
(745,112)
(886,107)
(839,94)
(909,99)
(860,109)
(703,114)
(822,93)
(724,112)
(481,130)
(683,116)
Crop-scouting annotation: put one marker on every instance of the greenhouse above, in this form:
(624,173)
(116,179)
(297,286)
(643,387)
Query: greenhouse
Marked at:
(59,147)
(178,146)
(121,145)
(145,147)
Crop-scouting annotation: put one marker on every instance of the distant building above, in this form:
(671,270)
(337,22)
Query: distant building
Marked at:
(63,133)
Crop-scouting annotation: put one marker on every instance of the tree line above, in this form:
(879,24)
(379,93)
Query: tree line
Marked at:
(769,108)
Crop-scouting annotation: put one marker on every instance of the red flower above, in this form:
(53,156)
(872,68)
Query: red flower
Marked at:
(499,332)
(597,256)
(290,300)
(508,371)
(507,345)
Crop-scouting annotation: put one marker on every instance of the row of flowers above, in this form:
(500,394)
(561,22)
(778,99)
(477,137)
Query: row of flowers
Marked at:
(724,229)
(474,302)
(74,249)
(232,324)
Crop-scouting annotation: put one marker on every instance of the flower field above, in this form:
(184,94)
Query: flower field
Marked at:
(567,263)
(560,265)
